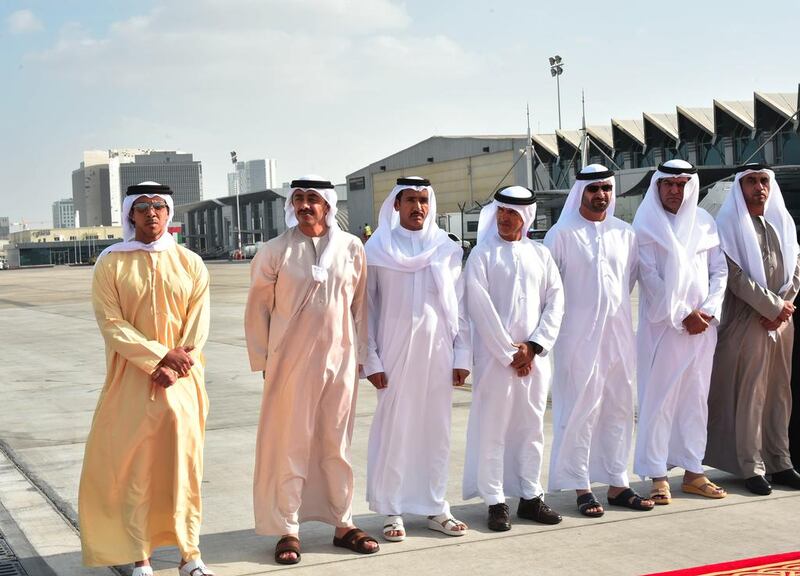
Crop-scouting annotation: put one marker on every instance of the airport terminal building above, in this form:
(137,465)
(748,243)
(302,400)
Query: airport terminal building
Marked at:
(465,170)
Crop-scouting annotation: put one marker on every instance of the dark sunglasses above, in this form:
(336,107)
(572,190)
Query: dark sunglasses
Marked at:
(595,187)
(145,206)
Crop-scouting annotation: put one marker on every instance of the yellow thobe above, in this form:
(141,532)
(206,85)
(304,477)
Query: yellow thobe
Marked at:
(308,338)
(143,465)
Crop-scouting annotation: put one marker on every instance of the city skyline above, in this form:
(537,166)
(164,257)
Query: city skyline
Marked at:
(330,87)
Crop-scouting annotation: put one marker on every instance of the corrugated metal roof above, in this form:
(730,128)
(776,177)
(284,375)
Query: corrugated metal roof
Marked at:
(548,142)
(667,123)
(784,104)
(741,110)
(571,137)
(603,134)
(486,136)
(343,217)
(703,118)
(633,128)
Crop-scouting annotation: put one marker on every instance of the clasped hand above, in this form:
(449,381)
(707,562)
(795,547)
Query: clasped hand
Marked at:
(175,364)
(697,322)
(522,362)
(784,315)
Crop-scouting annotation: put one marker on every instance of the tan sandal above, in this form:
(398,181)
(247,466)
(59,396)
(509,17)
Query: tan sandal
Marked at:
(446,524)
(702,486)
(659,493)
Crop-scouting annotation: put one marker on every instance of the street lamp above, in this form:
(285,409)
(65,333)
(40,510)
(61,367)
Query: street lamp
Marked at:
(557,69)
(238,180)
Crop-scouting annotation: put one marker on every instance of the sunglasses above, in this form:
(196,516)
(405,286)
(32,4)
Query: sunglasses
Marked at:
(145,206)
(595,187)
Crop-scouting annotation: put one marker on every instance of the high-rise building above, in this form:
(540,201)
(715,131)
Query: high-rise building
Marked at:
(5,227)
(90,189)
(64,213)
(98,186)
(177,170)
(253,176)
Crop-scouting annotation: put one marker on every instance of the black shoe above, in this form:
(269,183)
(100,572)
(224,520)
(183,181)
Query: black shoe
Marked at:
(758,485)
(498,517)
(788,478)
(536,510)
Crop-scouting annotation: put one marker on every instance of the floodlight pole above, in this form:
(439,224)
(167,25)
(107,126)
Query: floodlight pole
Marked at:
(556,69)
(529,151)
(558,95)
(238,180)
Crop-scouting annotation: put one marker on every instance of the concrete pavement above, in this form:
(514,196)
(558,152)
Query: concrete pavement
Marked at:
(52,362)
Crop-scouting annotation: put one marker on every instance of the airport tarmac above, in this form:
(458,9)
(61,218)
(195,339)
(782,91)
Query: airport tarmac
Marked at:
(53,366)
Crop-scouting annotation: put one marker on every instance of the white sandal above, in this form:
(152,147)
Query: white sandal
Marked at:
(195,568)
(446,524)
(394,523)
(142,571)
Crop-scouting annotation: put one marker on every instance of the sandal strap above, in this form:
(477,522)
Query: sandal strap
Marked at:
(393,526)
(355,537)
(288,544)
(627,494)
(588,500)
(196,567)
(449,522)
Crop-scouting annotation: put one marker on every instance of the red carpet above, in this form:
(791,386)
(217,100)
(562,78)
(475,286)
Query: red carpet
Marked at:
(774,565)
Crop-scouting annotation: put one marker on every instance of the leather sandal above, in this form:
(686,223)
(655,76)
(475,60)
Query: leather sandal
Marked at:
(355,540)
(659,493)
(630,499)
(287,544)
(702,486)
(446,524)
(394,524)
(195,568)
(586,501)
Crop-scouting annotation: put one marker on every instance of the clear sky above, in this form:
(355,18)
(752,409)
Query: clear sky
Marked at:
(329,86)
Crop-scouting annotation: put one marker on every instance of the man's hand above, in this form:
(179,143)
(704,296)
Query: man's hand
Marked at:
(459,376)
(164,376)
(770,325)
(378,380)
(697,322)
(523,355)
(525,370)
(179,360)
(786,312)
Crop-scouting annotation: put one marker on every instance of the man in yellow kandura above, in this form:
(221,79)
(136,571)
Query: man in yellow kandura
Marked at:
(143,466)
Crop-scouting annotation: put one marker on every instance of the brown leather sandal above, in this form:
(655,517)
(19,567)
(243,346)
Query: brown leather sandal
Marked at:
(355,540)
(287,544)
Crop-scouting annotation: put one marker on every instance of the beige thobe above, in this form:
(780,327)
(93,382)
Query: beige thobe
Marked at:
(143,465)
(749,402)
(308,337)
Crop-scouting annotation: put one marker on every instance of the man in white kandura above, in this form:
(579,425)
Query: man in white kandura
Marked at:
(682,276)
(597,256)
(419,348)
(515,303)
(306,332)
